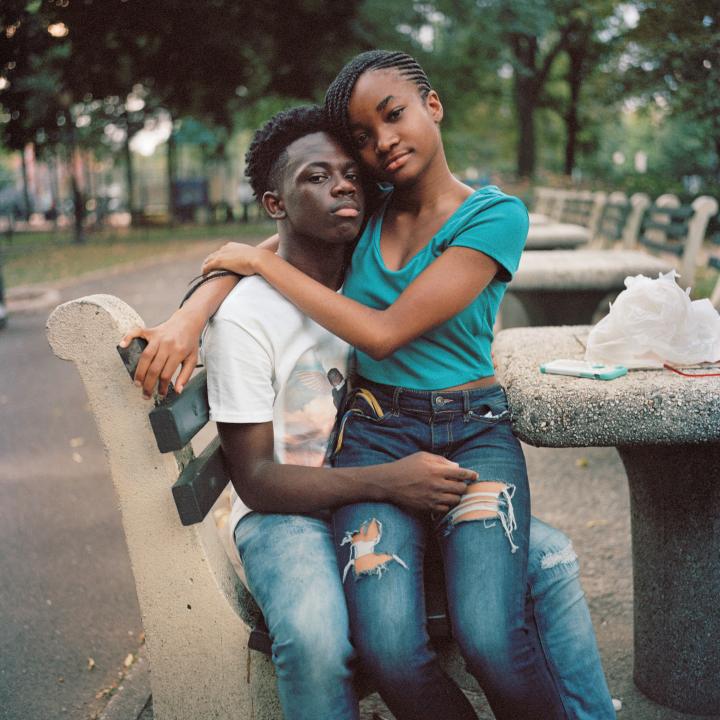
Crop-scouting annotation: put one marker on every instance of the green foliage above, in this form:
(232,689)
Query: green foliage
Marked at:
(674,61)
(519,79)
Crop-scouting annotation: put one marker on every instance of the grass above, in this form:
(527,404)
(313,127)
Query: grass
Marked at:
(47,257)
(704,282)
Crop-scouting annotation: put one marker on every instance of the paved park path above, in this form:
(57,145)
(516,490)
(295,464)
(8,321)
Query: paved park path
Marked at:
(66,590)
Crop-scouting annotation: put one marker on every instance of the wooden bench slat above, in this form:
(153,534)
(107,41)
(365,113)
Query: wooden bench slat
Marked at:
(179,418)
(676,249)
(613,219)
(200,484)
(671,229)
(682,212)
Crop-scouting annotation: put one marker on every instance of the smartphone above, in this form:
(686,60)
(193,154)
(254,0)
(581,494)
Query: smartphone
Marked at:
(583,369)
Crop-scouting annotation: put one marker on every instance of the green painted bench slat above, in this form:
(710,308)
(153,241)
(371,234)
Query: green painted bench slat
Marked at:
(577,210)
(613,219)
(667,227)
(671,229)
(683,212)
(204,478)
(675,249)
(179,418)
(200,484)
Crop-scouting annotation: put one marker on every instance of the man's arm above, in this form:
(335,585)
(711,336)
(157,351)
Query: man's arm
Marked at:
(420,482)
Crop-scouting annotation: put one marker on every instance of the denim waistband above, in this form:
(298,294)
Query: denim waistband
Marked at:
(395,399)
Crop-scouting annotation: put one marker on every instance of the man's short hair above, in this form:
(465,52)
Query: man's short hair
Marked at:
(266,158)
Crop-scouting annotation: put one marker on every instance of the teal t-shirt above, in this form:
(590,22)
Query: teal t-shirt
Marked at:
(458,351)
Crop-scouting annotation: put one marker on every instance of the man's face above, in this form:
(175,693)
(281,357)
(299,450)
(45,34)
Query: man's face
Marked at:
(321,191)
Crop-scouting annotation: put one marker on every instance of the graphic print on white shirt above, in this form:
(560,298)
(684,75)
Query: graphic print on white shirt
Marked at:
(267,361)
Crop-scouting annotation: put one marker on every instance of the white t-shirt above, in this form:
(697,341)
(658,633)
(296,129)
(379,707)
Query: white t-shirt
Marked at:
(267,361)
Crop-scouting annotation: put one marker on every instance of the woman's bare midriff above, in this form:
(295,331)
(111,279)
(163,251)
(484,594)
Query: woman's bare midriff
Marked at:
(481,383)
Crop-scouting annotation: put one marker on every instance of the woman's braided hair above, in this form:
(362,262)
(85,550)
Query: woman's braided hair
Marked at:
(337,97)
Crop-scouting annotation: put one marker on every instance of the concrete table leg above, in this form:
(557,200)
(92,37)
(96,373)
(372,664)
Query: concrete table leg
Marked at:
(557,307)
(675,510)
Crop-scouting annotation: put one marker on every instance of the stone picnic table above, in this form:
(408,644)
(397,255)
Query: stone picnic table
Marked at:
(550,235)
(539,219)
(666,429)
(565,287)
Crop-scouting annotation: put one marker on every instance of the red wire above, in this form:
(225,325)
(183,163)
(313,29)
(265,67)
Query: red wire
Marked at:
(690,375)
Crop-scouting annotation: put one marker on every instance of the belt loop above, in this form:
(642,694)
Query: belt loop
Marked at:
(466,401)
(396,400)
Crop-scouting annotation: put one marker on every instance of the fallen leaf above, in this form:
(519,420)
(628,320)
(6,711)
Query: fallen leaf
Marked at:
(582,462)
(90,664)
(77,457)
(141,637)
(77,442)
(596,523)
(61,680)
(129,660)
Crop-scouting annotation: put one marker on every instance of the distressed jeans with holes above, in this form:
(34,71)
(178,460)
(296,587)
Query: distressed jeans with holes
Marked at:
(557,608)
(485,560)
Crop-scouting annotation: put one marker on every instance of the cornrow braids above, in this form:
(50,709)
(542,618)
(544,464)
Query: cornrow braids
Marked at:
(337,97)
(266,155)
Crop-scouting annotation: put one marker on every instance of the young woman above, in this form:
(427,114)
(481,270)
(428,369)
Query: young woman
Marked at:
(419,304)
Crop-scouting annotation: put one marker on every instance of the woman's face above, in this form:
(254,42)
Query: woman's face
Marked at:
(396,131)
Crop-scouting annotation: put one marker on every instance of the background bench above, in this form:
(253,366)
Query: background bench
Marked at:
(568,287)
(199,619)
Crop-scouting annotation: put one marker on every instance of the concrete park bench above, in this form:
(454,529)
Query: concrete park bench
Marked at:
(573,223)
(666,429)
(554,235)
(619,222)
(207,644)
(567,287)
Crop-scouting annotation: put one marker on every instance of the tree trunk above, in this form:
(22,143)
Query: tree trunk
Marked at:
(527,92)
(77,188)
(525,104)
(54,188)
(27,210)
(576,56)
(130,179)
(171,169)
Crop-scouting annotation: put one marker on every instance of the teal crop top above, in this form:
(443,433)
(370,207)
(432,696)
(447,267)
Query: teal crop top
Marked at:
(458,351)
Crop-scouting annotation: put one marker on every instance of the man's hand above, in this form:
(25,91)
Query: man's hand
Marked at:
(426,482)
(172,344)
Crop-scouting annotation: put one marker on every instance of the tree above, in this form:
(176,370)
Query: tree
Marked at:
(674,58)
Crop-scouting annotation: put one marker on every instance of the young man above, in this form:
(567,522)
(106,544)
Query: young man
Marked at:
(273,375)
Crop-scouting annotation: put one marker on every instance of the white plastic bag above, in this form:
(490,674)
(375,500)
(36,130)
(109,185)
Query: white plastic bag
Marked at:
(653,321)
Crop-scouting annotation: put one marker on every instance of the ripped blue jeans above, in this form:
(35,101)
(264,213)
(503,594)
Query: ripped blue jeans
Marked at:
(484,546)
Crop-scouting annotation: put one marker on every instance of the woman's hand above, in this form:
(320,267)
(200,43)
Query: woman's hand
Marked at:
(172,344)
(238,257)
